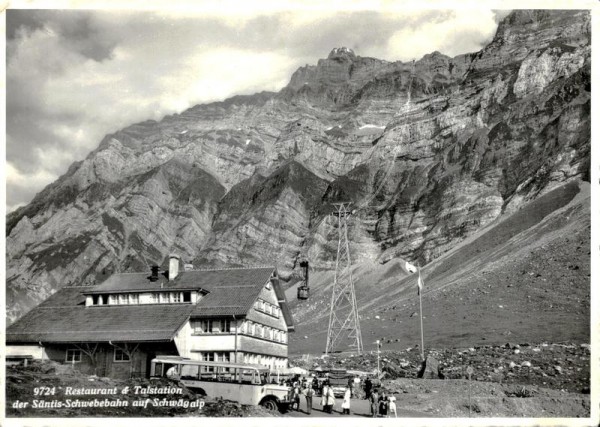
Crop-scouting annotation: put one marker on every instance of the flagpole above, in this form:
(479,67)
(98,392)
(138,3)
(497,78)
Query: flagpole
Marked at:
(421,316)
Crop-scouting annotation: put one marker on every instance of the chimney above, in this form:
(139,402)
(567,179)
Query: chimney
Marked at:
(154,274)
(173,266)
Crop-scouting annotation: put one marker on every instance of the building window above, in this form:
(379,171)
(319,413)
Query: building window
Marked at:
(154,298)
(134,299)
(123,299)
(164,297)
(112,299)
(120,356)
(283,337)
(222,356)
(225,325)
(203,327)
(73,356)
(175,297)
(251,327)
(187,297)
(260,331)
(208,356)
(267,307)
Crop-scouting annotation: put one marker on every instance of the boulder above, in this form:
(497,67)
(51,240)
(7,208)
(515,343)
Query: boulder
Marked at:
(430,369)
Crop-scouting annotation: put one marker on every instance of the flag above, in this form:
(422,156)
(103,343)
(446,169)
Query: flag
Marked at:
(409,267)
(419,283)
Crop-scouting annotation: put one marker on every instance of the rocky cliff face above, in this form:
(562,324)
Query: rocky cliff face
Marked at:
(428,152)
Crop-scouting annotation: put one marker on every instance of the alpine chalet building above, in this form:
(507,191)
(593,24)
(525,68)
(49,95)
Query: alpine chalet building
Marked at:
(116,328)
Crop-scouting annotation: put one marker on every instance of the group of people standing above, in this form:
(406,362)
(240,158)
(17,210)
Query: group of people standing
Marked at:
(381,404)
(299,388)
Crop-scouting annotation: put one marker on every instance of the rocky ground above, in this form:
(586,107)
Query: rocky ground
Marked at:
(450,398)
(522,380)
(559,366)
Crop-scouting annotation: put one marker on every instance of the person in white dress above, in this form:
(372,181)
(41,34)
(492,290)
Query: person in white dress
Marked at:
(392,406)
(346,402)
(330,399)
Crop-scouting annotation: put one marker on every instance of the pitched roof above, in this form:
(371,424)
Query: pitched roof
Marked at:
(64,317)
(232,293)
(53,322)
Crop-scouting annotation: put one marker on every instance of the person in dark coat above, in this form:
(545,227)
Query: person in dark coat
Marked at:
(368,387)
(383,404)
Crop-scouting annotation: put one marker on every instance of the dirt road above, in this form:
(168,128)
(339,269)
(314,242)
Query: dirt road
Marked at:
(358,408)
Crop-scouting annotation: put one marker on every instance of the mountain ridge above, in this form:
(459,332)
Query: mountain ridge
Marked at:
(429,155)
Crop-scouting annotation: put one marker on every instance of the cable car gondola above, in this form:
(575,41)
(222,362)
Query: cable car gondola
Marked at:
(303,289)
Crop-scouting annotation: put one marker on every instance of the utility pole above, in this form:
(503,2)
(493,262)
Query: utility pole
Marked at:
(343,314)
(420,290)
(378,369)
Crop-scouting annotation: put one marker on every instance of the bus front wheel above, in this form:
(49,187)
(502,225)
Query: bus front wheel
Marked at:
(269,403)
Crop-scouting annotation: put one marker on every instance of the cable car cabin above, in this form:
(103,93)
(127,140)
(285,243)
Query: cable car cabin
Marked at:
(303,292)
(244,383)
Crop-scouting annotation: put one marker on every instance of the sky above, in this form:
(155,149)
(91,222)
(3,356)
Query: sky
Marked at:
(73,76)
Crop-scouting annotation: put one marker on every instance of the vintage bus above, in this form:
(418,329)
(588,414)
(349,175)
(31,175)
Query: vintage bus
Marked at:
(243,383)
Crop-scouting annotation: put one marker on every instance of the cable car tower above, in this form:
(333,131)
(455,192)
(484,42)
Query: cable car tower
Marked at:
(343,314)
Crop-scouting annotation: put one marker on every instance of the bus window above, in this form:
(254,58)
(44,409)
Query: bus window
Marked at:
(190,372)
(158,370)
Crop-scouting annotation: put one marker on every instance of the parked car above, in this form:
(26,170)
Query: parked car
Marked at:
(338,379)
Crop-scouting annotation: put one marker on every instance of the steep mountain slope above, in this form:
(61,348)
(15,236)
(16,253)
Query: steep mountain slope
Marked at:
(524,278)
(429,152)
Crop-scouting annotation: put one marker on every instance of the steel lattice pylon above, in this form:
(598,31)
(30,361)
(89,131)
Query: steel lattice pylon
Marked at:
(343,314)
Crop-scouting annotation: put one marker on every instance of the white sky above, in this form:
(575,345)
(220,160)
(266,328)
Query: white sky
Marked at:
(73,76)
